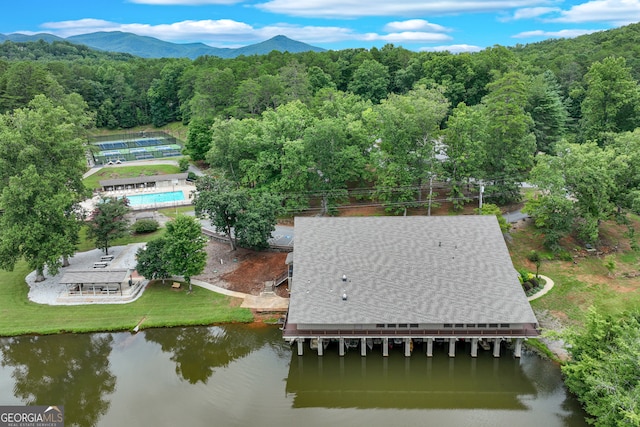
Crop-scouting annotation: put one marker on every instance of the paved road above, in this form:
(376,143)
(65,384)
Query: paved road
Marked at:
(515,216)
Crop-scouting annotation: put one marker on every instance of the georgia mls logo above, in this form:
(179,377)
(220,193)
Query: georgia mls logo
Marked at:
(31,416)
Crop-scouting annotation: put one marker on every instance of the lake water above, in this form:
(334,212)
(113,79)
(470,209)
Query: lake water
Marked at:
(246,375)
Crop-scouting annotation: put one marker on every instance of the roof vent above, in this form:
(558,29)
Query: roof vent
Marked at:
(344,277)
(439,244)
(344,296)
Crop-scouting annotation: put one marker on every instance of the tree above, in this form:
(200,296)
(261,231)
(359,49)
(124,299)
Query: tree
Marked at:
(257,221)
(247,218)
(464,143)
(198,139)
(548,112)
(536,259)
(611,99)
(370,81)
(510,144)
(108,221)
(184,248)
(220,201)
(151,260)
(603,369)
(163,94)
(39,223)
(334,160)
(408,129)
(552,210)
(41,166)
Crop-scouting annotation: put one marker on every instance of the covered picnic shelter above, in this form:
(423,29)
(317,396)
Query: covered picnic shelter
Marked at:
(93,282)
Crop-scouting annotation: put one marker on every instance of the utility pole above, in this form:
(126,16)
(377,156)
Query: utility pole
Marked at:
(481,191)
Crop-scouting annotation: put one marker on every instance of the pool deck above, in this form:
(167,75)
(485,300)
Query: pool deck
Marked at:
(89,204)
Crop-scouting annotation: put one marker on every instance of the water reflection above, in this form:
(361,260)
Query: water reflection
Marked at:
(398,382)
(69,370)
(197,351)
(243,375)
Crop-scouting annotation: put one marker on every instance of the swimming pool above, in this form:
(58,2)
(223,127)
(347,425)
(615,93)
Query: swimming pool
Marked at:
(154,198)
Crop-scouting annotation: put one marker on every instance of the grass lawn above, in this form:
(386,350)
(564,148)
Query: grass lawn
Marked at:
(117,172)
(158,306)
(173,212)
(583,280)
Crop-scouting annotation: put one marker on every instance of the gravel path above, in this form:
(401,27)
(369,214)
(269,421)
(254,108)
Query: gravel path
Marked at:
(48,291)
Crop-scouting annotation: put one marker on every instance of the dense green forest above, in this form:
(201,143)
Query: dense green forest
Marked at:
(406,129)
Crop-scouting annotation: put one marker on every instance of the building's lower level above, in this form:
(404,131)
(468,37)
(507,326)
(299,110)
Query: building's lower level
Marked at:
(371,340)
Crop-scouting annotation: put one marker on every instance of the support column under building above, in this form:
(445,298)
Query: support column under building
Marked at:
(496,347)
(363,346)
(452,347)
(474,347)
(517,351)
(341,346)
(320,347)
(407,347)
(385,346)
(429,347)
(300,346)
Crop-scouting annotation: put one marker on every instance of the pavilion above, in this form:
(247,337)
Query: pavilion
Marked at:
(367,281)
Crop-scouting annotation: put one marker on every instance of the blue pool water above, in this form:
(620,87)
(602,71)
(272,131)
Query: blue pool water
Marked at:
(152,198)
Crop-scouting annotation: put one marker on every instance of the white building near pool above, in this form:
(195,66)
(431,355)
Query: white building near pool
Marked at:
(145,182)
(148,192)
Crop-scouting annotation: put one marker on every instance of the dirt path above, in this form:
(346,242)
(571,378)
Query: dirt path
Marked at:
(242,270)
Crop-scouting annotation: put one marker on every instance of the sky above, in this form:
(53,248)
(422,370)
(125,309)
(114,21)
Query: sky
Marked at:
(418,25)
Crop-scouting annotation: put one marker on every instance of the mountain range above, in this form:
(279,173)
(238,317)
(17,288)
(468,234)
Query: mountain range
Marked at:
(149,47)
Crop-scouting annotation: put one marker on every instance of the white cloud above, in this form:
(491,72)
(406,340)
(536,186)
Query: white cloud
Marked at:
(562,33)
(454,48)
(205,30)
(620,12)
(185,2)
(530,13)
(358,8)
(414,25)
(407,37)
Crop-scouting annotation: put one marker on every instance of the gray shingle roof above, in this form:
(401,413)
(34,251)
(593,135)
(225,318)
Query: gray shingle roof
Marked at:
(95,276)
(442,269)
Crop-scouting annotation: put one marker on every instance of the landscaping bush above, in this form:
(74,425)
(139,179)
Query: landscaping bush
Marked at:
(145,226)
(183,164)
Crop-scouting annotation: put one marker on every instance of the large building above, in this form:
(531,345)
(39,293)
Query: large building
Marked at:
(367,281)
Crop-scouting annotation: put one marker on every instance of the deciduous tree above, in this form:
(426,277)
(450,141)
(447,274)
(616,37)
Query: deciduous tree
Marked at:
(184,248)
(108,221)
(152,263)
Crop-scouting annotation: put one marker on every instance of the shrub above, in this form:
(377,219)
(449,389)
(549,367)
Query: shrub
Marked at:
(183,164)
(564,256)
(145,226)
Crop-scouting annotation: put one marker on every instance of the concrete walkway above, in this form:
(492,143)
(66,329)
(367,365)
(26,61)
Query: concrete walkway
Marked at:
(259,303)
(547,287)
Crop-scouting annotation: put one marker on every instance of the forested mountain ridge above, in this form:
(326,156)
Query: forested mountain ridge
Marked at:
(563,55)
(150,47)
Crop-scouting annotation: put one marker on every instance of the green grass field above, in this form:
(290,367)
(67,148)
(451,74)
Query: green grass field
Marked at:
(117,172)
(158,306)
(584,281)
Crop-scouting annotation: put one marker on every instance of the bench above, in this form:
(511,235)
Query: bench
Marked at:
(106,258)
(110,289)
(93,288)
(100,264)
(176,285)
